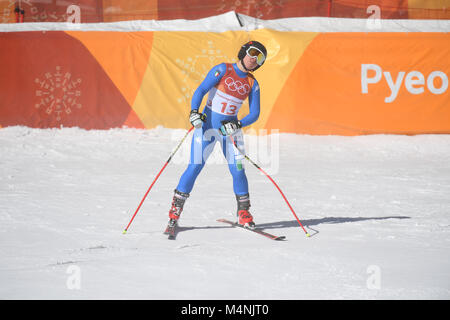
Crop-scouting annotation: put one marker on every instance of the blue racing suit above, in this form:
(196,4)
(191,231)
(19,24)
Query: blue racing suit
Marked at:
(227,87)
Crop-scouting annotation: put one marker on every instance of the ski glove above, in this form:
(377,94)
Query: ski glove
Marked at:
(229,128)
(197,118)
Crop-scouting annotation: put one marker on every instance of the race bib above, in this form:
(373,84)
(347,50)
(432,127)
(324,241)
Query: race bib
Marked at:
(223,103)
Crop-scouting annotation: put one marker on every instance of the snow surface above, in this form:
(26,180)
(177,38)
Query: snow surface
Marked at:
(377,208)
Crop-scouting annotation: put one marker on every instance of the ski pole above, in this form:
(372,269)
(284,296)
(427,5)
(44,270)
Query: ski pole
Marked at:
(276,185)
(157,176)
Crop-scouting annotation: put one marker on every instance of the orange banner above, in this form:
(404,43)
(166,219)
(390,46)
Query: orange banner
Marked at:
(353,83)
(312,83)
(121,10)
(51,80)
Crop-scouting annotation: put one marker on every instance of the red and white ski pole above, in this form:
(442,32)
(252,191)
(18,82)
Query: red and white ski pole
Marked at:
(157,176)
(276,185)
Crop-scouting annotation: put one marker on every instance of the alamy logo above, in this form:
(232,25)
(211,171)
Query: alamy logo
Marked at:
(35,13)
(415,81)
(73,281)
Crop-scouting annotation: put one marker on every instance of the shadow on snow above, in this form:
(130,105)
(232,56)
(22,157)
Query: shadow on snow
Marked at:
(294,224)
(327,220)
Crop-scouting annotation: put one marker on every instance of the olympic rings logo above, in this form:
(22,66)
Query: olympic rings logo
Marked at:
(237,85)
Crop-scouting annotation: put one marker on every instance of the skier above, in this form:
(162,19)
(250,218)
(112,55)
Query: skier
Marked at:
(228,86)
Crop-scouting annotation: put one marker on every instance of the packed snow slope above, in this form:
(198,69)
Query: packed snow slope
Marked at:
(377,208)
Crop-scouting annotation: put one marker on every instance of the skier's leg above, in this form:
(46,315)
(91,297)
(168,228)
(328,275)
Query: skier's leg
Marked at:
(235,161)
(201,148)
(178,201)
(240,183)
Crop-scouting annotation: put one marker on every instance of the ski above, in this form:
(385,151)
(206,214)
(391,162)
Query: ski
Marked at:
(258,231)
(171,232)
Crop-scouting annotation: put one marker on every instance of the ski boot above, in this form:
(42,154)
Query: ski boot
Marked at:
(177,207)
(243,215)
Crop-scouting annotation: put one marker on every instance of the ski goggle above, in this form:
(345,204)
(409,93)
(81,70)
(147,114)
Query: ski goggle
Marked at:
(256,53)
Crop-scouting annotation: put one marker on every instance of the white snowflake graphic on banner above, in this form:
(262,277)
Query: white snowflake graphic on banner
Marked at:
(197,67)
(58,93)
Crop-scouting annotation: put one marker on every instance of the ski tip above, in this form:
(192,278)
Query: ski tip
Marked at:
(124,231)
(308,235)
(280,238)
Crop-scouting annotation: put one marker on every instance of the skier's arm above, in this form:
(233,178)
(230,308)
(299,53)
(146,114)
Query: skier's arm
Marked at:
(211,79)
(253,101)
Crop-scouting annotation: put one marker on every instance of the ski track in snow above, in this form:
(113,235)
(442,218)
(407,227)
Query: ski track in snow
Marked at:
(376,202)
